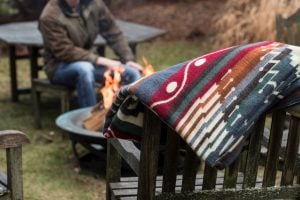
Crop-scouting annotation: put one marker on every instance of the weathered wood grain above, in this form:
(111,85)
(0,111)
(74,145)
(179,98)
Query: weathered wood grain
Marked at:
(234,183)
(170,161)
(191,168)
(253,151)
(291,152)
(274,148)
(149,156)
(12,141)
(12,138)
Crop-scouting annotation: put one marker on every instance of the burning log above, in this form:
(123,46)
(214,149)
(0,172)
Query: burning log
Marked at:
(96,121)
(112,84)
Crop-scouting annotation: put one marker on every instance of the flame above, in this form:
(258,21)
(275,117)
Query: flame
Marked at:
(112,83)
(111,86)
(148,68)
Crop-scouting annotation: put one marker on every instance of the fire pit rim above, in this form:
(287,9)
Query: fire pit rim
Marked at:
(71,122)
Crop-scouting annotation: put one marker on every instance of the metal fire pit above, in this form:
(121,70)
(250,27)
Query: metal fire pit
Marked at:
(72,123)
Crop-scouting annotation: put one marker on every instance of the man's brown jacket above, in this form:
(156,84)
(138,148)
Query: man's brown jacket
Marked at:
(69,34)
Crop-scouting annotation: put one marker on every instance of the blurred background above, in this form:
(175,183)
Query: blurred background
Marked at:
(220,23)
(194,27)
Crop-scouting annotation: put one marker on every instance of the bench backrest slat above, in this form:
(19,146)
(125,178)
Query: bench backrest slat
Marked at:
(231,174)
(288,171)
(170,161)
(253,154)
(191,167)
(274,148)
(209,178)
(298,178)
(149,155)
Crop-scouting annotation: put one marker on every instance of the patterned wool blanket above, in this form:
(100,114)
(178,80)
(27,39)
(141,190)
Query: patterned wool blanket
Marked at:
(211,101)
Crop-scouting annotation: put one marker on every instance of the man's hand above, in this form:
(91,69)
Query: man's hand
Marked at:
(109,63)
(135,65)
(115,65)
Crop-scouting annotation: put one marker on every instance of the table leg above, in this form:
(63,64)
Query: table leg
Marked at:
(15,91)
(13,73)
(34,54)
(101,50)
(133,48)
(76,154)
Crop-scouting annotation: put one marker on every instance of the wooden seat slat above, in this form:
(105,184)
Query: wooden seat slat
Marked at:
(132,182)
(130,188)
(220,175)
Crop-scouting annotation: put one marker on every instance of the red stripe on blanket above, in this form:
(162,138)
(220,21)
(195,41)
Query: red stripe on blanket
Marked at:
(165,91)
(163,99)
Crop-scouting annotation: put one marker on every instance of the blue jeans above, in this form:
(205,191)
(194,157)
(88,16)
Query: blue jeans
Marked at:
(83,75)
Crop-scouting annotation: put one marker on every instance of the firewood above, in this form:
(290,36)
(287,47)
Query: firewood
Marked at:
(96,120)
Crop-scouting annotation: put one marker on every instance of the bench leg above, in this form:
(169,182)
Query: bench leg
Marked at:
(14,172)
(65,102)
(36,108)
(113,168)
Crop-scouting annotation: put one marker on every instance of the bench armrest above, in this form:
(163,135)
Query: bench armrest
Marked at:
(129,152)
(12,138)
(294,110)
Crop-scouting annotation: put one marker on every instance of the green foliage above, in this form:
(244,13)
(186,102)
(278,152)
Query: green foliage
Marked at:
(50,171)
(170,53)
(6,8)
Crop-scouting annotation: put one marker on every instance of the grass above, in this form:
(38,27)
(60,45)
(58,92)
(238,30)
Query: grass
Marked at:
(50,171)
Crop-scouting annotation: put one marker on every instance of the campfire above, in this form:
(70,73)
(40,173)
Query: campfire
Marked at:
(148,68)
(112,84)
(113,79)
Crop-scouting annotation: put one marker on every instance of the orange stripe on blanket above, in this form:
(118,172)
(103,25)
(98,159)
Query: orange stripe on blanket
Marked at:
(229,81)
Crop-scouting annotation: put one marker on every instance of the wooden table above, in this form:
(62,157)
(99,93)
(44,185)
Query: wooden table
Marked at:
(27,34)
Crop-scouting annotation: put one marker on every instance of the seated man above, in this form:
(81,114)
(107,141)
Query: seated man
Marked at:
(69,29)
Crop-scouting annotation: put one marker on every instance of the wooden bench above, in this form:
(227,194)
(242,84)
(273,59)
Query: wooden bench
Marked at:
(249,177)
(11,185)
(43,85)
